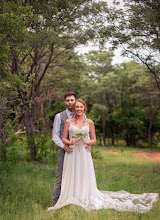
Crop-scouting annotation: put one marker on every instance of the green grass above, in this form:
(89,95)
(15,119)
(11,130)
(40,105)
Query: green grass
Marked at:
(26,188)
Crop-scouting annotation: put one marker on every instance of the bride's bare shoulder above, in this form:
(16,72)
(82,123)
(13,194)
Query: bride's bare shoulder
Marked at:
(70,120)
(90,122)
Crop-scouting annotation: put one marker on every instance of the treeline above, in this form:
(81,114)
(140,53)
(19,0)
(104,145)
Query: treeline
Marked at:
(122,100)
(38,64)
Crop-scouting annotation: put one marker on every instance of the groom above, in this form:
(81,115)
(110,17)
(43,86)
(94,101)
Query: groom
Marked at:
(57,133)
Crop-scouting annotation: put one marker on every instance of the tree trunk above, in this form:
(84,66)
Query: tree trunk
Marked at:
(29,124)
(112,135)
(100,140)
(3,131)
(150,137)
(127,139)
(149,131)
(3,138)
(151,123)
(104,131)
(43,114)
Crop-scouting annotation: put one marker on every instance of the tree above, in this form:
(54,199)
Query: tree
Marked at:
(68,77)
(139,102)
(147,86)
(136,29)
(13,21)
(102,81)
(51,29)
(3,119)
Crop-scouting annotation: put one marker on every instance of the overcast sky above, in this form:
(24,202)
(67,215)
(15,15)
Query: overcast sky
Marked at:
(118,58)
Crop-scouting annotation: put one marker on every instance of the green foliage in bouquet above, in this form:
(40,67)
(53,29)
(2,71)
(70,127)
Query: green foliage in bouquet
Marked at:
(79,135)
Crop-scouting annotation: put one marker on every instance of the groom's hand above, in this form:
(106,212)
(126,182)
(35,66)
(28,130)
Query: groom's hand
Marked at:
(88,148)
(68,149)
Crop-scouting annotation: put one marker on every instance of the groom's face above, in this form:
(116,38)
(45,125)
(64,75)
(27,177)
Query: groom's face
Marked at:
(69,102)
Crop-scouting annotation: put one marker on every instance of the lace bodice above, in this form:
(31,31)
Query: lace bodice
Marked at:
(73,130)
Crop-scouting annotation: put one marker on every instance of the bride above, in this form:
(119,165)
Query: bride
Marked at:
(78,179)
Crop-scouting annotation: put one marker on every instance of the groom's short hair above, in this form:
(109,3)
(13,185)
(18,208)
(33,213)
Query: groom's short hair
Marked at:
(69,94)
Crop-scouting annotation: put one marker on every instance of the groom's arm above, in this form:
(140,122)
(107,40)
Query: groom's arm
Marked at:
(56,131)
(56,134)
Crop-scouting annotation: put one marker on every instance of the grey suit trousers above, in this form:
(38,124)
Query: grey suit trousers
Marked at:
(57,185)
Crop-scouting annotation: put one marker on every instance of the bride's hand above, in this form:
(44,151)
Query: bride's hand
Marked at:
(75,141)
(85,141)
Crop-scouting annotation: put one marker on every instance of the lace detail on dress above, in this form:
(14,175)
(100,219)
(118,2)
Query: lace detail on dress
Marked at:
(74,130)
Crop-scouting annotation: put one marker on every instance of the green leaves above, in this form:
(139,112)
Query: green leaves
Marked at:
(79,135)
(136,29)
(14,19)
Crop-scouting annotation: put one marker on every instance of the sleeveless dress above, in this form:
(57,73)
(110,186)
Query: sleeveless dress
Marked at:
(79,184)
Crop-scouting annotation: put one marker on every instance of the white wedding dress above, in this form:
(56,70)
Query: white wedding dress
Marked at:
(79,184)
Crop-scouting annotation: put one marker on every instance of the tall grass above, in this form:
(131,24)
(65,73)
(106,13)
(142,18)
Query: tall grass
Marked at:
(26,188)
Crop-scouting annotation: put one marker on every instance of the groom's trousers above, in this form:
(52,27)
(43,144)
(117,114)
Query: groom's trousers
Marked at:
(57,185)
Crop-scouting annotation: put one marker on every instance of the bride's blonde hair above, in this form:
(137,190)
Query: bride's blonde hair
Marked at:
(83,103)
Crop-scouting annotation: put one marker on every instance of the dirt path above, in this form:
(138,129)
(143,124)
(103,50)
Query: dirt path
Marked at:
(150,156)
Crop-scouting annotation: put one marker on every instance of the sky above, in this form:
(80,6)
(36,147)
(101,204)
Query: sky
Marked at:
(118,58)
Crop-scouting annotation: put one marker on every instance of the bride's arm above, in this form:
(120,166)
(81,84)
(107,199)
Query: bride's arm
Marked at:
(65,134)
(92,134)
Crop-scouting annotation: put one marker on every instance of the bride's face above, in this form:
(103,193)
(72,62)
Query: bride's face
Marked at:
(79,108)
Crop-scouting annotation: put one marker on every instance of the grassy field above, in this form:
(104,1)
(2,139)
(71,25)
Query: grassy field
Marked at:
(26,188)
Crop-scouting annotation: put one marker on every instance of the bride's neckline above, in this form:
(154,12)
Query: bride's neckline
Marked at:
(77,127)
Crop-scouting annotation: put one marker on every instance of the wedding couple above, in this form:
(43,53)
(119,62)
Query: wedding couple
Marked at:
(75,181)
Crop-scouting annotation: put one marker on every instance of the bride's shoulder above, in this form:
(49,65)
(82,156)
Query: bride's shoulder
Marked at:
(90,122)
(70,120)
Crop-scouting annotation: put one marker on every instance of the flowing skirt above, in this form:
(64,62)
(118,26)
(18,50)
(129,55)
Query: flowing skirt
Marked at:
(79,187)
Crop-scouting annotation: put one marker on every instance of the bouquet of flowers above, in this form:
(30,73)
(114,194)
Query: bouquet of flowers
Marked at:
(79,136)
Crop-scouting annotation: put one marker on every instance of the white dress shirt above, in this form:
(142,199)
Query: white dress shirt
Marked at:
(56,129)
